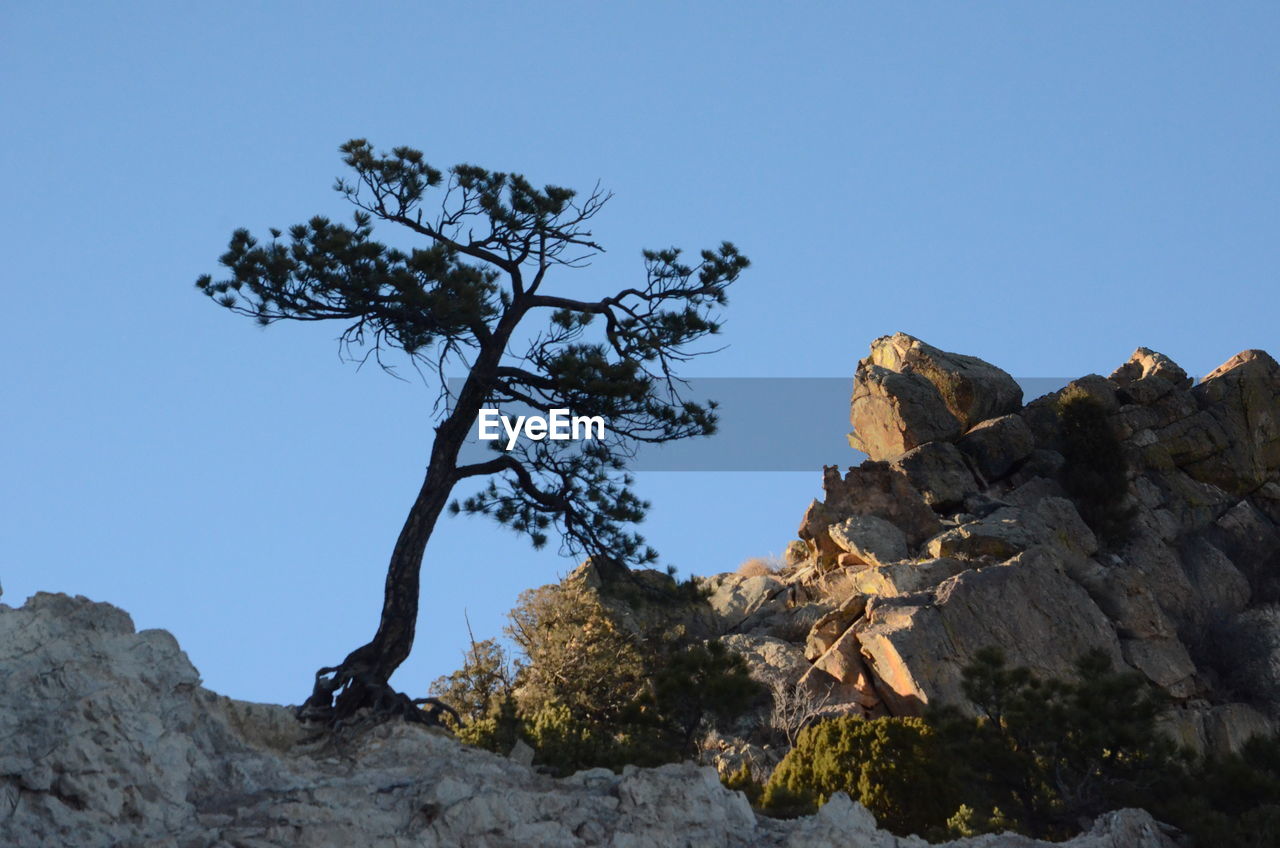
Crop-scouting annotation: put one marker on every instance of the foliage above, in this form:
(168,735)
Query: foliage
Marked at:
(1051,754)
(1041,758)
(895,766)
(1096,472)
(594,689)
(1226,799)
(482,692)
(745,782)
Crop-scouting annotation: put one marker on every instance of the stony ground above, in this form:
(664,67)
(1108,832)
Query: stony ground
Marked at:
(108,739)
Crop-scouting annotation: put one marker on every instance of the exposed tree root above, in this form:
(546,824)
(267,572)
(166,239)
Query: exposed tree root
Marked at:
(341,692)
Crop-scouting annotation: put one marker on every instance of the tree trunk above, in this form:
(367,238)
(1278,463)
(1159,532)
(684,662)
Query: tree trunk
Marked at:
(362,680)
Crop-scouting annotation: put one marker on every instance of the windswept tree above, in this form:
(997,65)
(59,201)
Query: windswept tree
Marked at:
(473,297)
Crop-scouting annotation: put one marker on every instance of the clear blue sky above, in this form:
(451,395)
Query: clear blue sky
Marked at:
(1044,185)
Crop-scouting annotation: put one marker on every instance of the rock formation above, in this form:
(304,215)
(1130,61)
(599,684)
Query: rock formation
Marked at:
(108,739)
(966,528)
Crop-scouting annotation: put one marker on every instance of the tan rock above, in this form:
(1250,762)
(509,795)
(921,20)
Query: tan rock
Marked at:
(973,390)
(892,413)
(1144,363)
(843,661)
(1008,531)
(871,539)
(904,578)
(832,626)
(1031,609)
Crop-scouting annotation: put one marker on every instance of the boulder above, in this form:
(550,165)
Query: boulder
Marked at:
(973,390)
(735,598)
(1144,363)
(1008,531)
(997,445)
(940,473)
(1164,661)
(871,539)
(892,413)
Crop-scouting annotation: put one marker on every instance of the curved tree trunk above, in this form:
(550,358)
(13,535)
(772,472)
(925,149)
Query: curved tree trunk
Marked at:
(362,679)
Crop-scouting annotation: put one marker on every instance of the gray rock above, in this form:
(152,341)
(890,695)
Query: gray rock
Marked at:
(939,472)
(110,740)
(997,445)
(735,598)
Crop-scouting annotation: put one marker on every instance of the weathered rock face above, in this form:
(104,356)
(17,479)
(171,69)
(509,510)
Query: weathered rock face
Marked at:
(907,393)
(987,497)
(110,740)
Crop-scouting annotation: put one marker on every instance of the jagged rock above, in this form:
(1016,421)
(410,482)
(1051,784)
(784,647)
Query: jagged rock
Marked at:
(1147,377)
(892,413)
(842,823)
(110,740)
(973,390)
(872,540)
(995,446)
(1251,540)
(872,488)
(1242,396)
(843,664)
(830,627)
(1145,363)
(918,645)
(939,472)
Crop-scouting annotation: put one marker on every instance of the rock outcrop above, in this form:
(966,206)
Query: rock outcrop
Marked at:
(108,739)
(966,528)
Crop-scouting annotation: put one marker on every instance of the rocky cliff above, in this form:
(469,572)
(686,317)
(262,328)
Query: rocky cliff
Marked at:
(1136,514)
(108,739)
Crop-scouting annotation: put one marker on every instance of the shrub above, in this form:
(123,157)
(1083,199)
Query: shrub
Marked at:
(1040,758)
(595,688)
(896,767)
(1096,473)
(758,567)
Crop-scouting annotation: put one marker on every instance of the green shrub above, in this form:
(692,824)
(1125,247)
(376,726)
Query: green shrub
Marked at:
(896,767)
(745,782)
(594,688)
